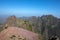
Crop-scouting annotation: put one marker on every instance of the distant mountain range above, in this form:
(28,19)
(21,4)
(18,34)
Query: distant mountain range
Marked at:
(46,25)
(3,18)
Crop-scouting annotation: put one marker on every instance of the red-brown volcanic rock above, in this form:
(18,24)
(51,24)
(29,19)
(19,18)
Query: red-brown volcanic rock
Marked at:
(7,33)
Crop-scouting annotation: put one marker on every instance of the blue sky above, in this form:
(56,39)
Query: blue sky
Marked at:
(30,7)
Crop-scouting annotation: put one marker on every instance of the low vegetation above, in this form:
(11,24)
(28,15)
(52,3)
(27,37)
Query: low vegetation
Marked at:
(13,37)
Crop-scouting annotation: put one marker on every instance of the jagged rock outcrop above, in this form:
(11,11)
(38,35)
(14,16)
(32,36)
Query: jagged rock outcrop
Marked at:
(46,25)
(13,21)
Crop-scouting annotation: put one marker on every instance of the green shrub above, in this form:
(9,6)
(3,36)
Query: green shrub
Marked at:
(30,28)
(13,37)
(6,27)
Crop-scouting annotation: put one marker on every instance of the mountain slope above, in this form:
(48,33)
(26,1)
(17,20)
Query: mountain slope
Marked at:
(12,33)
(45,25)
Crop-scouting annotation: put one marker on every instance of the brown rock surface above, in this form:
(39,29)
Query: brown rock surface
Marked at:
(18,32)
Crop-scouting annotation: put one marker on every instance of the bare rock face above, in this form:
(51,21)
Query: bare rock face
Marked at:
(11,20)
(16,22)
(14,33)
(46,25)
